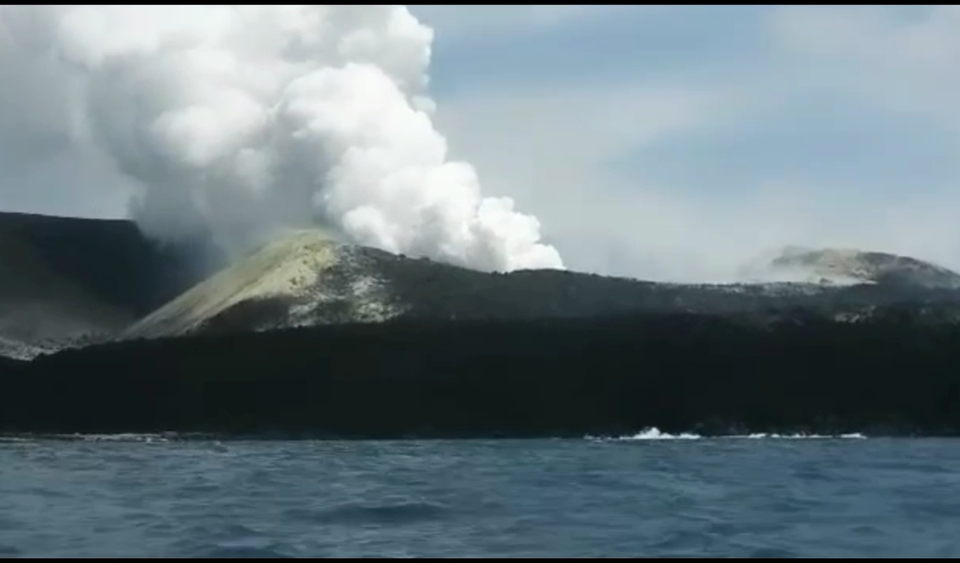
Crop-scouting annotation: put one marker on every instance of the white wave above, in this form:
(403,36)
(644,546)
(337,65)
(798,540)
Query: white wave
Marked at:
(649,434)
(654,433)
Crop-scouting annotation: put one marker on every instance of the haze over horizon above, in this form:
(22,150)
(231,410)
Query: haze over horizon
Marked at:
(670,143)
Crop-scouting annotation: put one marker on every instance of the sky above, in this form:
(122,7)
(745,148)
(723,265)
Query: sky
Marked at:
(679,143)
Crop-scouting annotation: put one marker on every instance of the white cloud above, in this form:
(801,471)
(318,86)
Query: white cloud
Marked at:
(242,121)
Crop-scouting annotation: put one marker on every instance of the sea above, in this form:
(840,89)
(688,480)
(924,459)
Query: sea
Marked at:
(652,494)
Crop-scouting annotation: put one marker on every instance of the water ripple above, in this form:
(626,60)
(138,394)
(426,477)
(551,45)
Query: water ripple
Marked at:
(763,497)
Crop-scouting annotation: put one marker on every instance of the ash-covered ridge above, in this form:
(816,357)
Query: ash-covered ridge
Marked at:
(843,266)
(846,266)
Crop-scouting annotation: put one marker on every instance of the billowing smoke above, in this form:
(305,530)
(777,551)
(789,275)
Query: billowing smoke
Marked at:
(242,120)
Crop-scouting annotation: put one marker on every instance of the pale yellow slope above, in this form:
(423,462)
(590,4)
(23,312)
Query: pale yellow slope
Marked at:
(281,268)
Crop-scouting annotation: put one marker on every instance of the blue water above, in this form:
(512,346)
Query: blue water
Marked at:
(697,497)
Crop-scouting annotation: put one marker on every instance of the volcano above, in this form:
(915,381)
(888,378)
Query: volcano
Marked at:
(66,282)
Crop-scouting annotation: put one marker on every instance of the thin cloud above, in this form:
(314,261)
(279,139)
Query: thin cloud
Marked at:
(465,22)
(587,159)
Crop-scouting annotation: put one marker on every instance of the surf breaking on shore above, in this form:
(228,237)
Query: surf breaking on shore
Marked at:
(652,434)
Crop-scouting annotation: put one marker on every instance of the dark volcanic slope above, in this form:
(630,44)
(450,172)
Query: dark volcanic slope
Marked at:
(888,375)
(109,258)
(38,303)
(66,281)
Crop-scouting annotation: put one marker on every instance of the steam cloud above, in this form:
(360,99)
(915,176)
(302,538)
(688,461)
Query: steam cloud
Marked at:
(241,120)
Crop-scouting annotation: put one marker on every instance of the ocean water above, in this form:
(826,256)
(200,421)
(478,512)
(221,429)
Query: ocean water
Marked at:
(651,494)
